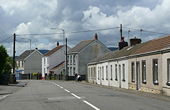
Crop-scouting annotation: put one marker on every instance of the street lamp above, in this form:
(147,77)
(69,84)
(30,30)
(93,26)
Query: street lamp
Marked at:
(65,48)
(63,31)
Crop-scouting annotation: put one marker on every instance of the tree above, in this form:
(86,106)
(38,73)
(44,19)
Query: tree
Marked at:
(3,59)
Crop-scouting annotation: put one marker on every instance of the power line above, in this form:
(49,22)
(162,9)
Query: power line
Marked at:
(5,39)
(72,32)
(144,30)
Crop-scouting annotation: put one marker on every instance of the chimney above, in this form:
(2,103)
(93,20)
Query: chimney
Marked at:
(122,43)
(95,36)
(58,44)
(135,41)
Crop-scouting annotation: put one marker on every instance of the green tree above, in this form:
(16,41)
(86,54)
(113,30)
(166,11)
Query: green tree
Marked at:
(4,61)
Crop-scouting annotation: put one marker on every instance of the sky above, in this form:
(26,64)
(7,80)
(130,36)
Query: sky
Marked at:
(50,16)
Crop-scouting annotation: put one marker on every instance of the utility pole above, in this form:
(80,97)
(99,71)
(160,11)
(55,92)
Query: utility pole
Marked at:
(14,53)
(66,71)
(121,31)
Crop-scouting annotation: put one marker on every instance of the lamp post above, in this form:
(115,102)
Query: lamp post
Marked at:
(64,40)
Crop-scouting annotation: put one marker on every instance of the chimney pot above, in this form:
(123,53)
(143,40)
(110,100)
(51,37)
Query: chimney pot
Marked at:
(58,44)
(96,36)
(135,41)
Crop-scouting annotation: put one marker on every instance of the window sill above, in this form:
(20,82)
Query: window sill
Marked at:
(168,83)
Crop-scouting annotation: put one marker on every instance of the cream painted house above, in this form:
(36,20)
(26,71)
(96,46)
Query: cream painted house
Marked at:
(145,67)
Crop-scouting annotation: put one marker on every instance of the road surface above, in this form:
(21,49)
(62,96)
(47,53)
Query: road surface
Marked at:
(70,95)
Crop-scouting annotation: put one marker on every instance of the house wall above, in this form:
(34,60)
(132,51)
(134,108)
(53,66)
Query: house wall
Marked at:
(44,66)
(72,64)
(33,63)
(149,86)
(166,88)
(102,79)
(56,58)
(89,53)
(92,74)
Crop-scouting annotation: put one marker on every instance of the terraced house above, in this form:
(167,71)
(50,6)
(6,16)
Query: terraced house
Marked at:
(143,67)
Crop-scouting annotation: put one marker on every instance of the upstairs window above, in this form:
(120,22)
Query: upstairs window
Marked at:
(155,71)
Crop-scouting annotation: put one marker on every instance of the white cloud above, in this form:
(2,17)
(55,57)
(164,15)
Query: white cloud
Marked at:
(38,16)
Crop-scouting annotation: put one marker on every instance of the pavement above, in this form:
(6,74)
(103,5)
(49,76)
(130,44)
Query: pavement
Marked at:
(70,95)
(11,88)
(140,93)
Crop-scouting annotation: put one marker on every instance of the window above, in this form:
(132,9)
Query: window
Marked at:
(155,71)
(123,74)
(144,72)
(111,73)
(74,70)
(116,72)
(133,72)
(94,72)
(102,73)
(98,73)
(74,59)
(70,59)
(106,72)
(70,70)
(168,72)
(120,70)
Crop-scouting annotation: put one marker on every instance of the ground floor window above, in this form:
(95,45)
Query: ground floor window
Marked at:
(155,71)
(133,72)
(116,72)
(102,72)
(123,72)
(111,73)
(106,72)
(168,72)
(144,72)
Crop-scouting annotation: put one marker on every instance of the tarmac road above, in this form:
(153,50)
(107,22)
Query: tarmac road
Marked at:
(70,95)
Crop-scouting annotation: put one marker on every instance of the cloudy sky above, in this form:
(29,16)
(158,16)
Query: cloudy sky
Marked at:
(40,16)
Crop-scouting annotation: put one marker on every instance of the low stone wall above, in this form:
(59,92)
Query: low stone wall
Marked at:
(166,91)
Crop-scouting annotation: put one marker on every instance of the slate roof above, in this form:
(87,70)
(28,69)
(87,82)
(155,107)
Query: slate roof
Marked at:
(28,52)
(146,47)
(155,45)
(53,50)
(80,46)
(58,66)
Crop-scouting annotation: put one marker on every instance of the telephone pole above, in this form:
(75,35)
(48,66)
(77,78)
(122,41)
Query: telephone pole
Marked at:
(14,53)
(66,71)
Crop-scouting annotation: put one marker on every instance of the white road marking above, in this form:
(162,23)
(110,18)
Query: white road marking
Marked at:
(67,90)
(78,97)
(3,97)
(91,105)
(75,96)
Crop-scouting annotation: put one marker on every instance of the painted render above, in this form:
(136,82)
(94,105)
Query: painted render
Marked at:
(50,61)
(32,64)
(82,58)
(166,88)
(149,86)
